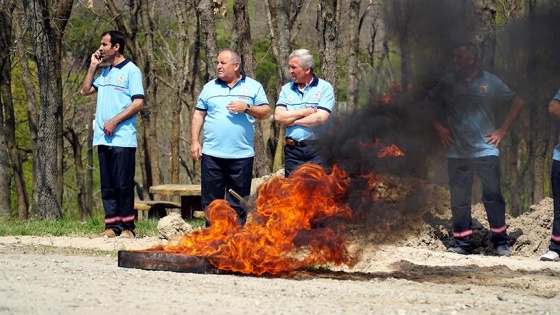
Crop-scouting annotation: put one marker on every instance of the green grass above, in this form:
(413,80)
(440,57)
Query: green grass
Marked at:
(67,227)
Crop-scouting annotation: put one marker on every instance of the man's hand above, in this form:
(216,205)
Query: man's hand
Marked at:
(495,137)
(109,127)
(444,135)
(97,57)
(196,151)
(236,107)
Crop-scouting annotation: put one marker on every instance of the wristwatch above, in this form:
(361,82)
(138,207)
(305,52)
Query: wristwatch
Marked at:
(248,109)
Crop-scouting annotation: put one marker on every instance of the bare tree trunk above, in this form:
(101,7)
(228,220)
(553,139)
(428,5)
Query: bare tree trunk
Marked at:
(10,121)
(379,37)
(47,24)
(4,171)
(378,48)
(184,74)
(354,50)
(6,106)
(262,163)
(150,108)
(538,114)
(280,33)
(485,33)
(328,14)
(74,141)
(5,99)
(10,135)
(89,168)
(177,74)
(31,106)
(208,23)
(402,18)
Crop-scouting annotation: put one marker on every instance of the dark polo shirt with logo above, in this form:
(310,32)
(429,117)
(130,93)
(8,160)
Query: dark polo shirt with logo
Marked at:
(469,109)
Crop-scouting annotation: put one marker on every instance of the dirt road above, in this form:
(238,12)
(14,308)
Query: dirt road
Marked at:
(64,275)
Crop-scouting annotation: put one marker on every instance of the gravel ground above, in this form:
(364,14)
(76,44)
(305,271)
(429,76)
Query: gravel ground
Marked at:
(72,275)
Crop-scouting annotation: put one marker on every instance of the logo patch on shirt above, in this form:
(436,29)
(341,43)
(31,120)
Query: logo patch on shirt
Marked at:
(120,78)
(484,89)
(244,89)
(317,95)
(290,98)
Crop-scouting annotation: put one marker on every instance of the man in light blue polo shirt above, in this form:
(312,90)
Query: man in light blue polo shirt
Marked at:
(463,105)
(304,107)
(227,108)
(120,96)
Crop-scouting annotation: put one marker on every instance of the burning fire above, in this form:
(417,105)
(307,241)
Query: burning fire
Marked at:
(295,224)
(389,151)
(391,98)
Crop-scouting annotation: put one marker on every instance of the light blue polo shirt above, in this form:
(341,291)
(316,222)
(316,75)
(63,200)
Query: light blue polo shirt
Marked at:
(469,109)
(556,152)
(229,135)
(318,94)
(116,88)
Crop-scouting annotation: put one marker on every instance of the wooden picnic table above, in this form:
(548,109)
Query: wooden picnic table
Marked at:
(190,196)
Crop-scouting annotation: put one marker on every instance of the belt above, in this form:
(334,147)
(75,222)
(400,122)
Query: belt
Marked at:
(294,143)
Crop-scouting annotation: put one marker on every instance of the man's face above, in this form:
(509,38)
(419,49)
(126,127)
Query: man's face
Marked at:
(462,59)
(298,73)
(107,50)
(226,68)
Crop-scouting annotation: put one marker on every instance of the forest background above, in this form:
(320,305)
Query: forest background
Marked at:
(380,55)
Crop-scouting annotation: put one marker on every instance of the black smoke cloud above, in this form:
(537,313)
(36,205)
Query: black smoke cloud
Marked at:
(527,58)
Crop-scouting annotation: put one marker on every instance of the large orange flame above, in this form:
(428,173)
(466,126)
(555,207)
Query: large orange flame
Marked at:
(294,225)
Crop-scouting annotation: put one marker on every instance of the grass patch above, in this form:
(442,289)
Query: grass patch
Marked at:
(66,227)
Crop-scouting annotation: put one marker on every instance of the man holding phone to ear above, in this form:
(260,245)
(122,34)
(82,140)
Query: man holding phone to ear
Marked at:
(120,97)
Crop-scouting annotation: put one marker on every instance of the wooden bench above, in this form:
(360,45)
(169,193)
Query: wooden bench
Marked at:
(158,208)
(191,204)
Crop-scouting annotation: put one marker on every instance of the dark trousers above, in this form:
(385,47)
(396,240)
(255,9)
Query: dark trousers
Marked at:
(116,170)
(461,174)
(220,175)
(294,156)
(555,181)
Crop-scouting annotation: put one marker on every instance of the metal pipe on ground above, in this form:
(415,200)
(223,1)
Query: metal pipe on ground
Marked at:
(244,203)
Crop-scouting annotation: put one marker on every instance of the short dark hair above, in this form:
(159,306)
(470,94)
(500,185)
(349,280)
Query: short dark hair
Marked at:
(116,38)
(470,47)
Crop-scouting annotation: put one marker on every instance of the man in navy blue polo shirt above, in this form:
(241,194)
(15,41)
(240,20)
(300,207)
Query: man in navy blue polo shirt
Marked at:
(554,246)
(227,108)
(304,107)
(463,105)
(120,96)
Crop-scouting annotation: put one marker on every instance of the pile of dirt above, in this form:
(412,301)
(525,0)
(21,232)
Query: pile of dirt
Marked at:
(531,231)
(410,212)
